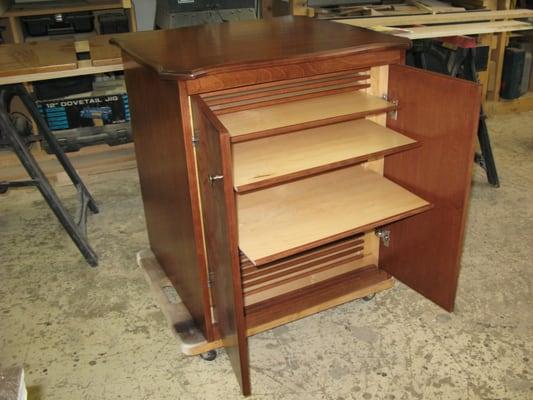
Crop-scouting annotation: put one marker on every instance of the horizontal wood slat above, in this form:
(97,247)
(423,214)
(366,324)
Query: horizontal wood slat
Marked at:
(248,270)
(287,97)
(271,308)
(284,83)
(258,281)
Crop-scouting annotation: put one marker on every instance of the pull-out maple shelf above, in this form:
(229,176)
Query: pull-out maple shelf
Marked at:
(263,162)
(283,220)
(307,113)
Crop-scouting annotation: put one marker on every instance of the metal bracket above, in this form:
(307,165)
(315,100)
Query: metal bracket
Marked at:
(393,114)
(384,235)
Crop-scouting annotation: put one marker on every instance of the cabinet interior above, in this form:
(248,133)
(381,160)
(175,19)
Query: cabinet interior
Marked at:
(307,170)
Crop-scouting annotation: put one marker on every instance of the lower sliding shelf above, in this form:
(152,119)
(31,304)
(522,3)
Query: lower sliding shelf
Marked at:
(293,217)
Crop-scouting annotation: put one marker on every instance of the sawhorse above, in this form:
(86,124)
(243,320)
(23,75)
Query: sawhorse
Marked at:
(11,137)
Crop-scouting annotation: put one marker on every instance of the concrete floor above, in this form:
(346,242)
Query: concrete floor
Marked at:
(85,333)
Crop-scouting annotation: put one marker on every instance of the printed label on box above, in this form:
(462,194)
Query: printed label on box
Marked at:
(85,111)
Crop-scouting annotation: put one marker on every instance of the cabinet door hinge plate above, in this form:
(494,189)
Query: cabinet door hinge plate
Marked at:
(196,138)
(384,235)
(393,114)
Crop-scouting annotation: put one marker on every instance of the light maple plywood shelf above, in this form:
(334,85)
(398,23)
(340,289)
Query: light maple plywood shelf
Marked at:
(283,220)
(281,118)
(264,162)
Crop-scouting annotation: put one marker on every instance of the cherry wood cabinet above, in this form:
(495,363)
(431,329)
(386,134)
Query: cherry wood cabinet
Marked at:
(291,165)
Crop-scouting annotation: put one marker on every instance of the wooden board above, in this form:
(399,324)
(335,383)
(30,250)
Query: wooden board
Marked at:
(102,52)
(425,32)
(285,219)
(34,58)
(315,111)
(442,113)
(64,6)
(220,232)
(271,160)
(179,320)
(429,19)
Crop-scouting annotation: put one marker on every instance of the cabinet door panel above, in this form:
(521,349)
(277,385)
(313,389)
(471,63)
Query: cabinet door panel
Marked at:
(220,231)
(442,113)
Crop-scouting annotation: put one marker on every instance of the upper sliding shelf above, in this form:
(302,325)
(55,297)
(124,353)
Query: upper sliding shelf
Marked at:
(277,159)
(286,219)
(296,115)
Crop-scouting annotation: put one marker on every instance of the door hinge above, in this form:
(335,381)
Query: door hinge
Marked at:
(384,235)
(393,114)
(210,279)
(195,139)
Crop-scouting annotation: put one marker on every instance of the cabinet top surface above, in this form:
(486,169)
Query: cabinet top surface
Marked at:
(191,52)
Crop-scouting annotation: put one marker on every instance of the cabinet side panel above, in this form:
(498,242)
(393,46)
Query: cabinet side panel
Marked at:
(161,160)
(441,113)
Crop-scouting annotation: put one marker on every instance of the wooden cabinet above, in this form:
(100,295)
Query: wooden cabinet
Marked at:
(294,165)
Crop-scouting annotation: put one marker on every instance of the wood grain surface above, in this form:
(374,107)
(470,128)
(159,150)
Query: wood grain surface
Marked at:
(296,216)
(32,58)
(314,111)
(267,161)
(241,45)
(220,232)
(164,177)
(442,113)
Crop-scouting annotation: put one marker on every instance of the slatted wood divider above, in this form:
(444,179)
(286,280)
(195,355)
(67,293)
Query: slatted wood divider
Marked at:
(303,269)
(262,95)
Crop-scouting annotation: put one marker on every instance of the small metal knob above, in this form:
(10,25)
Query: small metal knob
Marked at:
(213,178)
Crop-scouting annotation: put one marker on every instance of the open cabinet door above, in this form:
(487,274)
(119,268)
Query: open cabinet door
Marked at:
(220,232)
(442,113)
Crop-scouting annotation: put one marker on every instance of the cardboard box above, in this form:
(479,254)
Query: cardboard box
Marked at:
(89,111)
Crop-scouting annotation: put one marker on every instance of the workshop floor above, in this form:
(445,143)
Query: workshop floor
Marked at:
(85,333)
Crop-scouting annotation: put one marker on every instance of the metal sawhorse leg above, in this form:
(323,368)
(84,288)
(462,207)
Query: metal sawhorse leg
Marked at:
(76,230)
(466,57)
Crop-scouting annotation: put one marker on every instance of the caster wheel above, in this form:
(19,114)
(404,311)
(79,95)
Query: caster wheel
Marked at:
(369,297)
(209,355)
